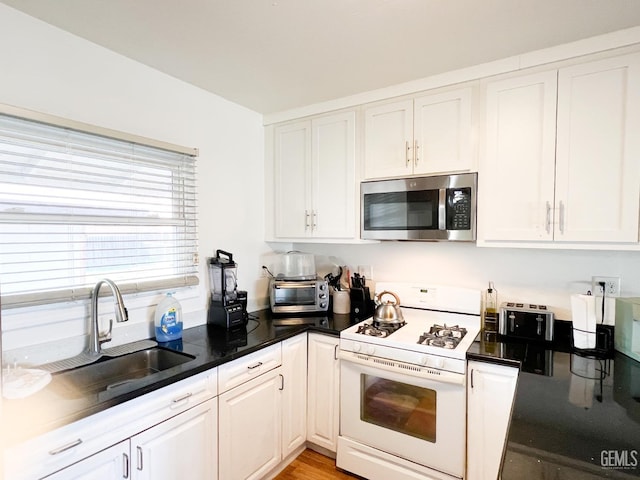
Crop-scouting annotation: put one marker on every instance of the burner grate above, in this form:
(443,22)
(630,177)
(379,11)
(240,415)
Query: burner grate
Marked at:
(443,336)
(378,329)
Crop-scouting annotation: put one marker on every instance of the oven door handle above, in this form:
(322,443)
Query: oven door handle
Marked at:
(401,368)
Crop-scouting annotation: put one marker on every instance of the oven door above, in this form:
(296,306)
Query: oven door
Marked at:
(419,419)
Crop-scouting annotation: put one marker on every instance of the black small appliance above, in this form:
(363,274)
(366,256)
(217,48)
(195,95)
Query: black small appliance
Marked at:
(227,306)
(362,306)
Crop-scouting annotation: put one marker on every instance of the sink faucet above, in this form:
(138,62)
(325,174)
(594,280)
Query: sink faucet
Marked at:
(95,337)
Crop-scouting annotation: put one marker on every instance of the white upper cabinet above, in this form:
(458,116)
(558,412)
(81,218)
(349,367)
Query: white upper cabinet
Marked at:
(570,181)
(429,134)
(598,151)
(314,178)
(292,170)
(516,177)
(388,144)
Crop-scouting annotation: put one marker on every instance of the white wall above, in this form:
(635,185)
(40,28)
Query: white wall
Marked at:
(538,276)
(48,70)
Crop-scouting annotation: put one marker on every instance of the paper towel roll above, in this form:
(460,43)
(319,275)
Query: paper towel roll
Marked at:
(583,316)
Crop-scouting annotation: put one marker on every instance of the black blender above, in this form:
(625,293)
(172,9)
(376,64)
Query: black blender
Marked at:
(227,306)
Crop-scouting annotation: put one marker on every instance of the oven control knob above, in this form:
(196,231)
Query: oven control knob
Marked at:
(356,347)
(438,362)
(371,349)
(423,360)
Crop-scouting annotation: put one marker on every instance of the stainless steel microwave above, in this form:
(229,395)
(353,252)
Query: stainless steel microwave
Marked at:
(434,208)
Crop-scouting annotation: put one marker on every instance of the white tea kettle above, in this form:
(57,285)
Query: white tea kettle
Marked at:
(387,313)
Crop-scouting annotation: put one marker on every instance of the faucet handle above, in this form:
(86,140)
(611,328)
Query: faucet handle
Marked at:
(106,337)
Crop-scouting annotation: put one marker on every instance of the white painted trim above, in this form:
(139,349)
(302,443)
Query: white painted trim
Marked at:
(599,43)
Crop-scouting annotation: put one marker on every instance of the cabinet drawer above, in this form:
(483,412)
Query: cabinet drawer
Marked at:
(244,369)
(60,448)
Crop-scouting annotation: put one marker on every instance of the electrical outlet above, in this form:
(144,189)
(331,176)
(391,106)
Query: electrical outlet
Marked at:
(611,286)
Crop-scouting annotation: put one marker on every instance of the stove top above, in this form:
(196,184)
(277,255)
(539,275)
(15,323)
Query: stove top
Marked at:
(440,333)
(428,335)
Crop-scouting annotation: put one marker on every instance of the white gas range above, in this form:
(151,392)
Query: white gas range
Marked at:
(403,398)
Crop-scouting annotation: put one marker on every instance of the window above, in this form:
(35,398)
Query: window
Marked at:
(76,207)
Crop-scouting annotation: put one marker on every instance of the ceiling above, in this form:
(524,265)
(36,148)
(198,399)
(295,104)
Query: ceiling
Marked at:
(273,55)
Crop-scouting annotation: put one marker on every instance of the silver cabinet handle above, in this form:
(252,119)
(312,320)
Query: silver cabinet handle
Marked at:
(561,219)
(139,451)
(335,352)
(407,150)
(251,367)
(415,153)
(125,465)
(472,378)
(182,398)
(548,221)
(306,220)
(314,220)
(66,447)
(282,382)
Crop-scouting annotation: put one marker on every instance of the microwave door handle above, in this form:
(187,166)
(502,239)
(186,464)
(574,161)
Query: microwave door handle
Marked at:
(442,209)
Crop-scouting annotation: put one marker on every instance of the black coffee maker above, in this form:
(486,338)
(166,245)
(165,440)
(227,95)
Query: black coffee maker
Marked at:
(227,306)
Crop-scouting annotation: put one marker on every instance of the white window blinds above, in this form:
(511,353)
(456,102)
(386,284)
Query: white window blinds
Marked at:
(76,207)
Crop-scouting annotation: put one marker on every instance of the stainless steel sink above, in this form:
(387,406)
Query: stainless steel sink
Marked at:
(109,373)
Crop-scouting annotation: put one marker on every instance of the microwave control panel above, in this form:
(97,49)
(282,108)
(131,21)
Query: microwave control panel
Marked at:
(458,208)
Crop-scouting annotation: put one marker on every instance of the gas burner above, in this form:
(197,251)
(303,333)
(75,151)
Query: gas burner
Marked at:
(378,329)
(443,336)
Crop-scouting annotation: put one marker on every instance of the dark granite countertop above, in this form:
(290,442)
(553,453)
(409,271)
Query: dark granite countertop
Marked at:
(49,409)
(575,416)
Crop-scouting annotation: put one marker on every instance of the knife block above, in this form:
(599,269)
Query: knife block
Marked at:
(361,303)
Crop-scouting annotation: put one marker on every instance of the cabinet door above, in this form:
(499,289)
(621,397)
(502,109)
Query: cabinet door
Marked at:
(597,173)
(184,446)
(294,394)
(292,172)
(109,464)
(333,176)
(250,428)
(323,391)
(516,175)
(443,133)
(490,395)
(388,142)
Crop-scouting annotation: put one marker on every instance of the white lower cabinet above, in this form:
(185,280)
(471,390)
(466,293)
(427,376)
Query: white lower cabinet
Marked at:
(108,464)
(323,415)
(262,420)
(490,394)
(294,395)
(250,427)
(183,444)
(159,435)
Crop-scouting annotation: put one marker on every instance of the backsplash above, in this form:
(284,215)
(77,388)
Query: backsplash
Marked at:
(537,276)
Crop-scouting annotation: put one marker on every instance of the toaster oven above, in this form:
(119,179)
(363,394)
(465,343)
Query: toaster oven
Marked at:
(526,321)
(298,296)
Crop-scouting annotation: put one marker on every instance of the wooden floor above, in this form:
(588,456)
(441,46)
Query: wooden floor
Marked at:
(311,465)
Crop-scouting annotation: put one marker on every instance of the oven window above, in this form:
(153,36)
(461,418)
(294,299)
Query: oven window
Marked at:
(405,408)
(415,210)
(295,296)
